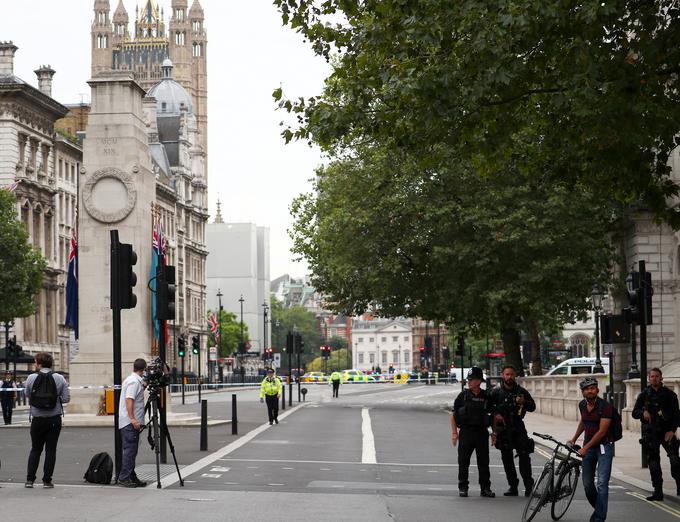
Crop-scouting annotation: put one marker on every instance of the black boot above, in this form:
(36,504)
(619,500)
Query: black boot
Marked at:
(658,495)
(487,493)
(512,492)
(528,488)
(462,492)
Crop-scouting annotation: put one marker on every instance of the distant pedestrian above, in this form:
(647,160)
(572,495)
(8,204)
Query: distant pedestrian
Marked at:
(471,413)
(335,379)
(130,423)
(46,392)
(270,390)
(7,397)
(657,408)
(598,447)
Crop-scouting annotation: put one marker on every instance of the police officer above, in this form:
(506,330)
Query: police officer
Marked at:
(471,415)
(270,390)
(657,408)
(335,379)
(510,402)
(7,397)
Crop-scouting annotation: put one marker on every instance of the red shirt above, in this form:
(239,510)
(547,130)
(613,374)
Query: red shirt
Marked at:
(591,419)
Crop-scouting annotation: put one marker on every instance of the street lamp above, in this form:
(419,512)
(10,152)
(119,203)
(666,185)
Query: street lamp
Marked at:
(242,345)
(219,326)
(597,296)
(265,309)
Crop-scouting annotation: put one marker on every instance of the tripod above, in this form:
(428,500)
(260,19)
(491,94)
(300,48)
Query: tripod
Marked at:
(151,408)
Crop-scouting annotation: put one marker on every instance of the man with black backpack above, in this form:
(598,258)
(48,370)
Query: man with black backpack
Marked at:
(598,446)
(46,392)
(657,408)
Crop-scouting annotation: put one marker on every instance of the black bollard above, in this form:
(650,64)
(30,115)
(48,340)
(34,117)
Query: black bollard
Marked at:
(204,425)
(234,416)
(283,397)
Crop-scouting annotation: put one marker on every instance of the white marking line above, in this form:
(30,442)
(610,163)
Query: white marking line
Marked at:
(657,505)
(275,484)
(222,452)
(211,475)
(219,469)
(368,443)
(292,469)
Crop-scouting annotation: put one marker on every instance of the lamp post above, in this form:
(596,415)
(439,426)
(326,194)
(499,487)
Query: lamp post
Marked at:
(265,310)
(219,326)
(242,345)
(597,295)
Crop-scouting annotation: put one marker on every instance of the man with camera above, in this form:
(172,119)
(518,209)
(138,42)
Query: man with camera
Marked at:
(130,423)
(471,415)
(657,408)
(510,403)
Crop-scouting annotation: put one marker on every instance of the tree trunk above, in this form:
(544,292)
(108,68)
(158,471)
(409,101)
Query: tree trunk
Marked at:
(511,343)
(536,364)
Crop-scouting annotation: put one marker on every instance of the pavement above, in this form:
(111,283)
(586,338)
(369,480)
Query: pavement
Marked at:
(379,452)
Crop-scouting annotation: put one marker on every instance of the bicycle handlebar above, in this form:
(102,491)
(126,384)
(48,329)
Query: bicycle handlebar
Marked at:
(572,449)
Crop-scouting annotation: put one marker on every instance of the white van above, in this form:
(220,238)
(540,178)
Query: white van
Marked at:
(578,366)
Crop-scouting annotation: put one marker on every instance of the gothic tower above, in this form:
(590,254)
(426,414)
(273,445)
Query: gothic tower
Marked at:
(102,37)
(120,25)
(199,44)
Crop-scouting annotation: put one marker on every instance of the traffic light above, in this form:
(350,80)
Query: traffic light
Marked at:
(428,346)
(631,314)
(241,348)
(181,346)
(460,346)
(299,344)
(445,353)
(123,279)
(325,351)
(290,340)
(165,293)
(195,344)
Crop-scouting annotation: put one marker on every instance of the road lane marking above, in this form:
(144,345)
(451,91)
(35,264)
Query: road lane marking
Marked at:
(341,462)
(219,469)
(662,507)
(223,452)
(368,442)
(275,484)
(211,475)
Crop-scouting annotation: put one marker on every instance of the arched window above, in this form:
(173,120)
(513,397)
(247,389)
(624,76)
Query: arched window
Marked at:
(197,49)
(579,344)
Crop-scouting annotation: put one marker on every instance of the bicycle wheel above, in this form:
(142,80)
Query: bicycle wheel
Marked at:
(539,494)
(565,488)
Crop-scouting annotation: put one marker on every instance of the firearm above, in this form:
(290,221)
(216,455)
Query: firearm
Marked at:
(652,431)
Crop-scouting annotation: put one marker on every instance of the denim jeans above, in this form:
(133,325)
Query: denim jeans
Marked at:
(130,442)
(598,496)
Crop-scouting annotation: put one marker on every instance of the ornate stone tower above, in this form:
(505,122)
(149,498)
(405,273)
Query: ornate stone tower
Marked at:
(101,33)
(121,22)
(199,72)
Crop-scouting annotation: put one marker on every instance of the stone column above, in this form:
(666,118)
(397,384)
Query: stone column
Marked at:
(117,188)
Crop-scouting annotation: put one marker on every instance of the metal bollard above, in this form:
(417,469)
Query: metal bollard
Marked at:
(204,425)
(234,415)
(283,397)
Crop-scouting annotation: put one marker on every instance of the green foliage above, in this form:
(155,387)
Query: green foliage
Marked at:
(21,266)
(582,92)
(231,334)
(299,319)
(339,360)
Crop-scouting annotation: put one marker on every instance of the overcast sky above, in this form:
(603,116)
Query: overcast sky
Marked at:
(249,55)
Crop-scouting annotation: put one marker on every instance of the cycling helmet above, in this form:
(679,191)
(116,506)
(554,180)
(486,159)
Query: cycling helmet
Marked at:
(475,373)
(588,381)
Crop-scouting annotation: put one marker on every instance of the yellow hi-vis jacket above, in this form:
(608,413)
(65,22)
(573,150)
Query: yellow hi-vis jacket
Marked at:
(335,376)
(270,387)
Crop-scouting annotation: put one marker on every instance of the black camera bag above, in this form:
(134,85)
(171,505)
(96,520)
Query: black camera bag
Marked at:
(100,469)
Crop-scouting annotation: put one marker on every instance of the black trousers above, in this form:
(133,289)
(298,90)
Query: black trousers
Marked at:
(473,439)
(272,407)
(44,433)
(654,459)
(336,388)
(7,407)
(518,441)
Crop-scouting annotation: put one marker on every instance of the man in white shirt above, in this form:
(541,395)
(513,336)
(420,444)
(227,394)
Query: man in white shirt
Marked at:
(130,422)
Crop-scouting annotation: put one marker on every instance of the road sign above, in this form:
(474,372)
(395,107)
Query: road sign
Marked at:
(276,363)
(212,356)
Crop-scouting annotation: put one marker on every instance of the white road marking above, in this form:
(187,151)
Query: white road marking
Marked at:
(275,484)
(292,469)
(368,442)
(324,469)
(219,469)
(395,470)
(211,475)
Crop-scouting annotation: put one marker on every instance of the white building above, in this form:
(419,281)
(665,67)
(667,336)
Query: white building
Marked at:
(381,343)
(238,265)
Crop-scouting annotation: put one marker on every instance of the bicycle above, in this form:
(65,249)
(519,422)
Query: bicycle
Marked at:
(556,485)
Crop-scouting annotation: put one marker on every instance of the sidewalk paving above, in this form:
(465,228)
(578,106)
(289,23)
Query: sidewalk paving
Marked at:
(627,460)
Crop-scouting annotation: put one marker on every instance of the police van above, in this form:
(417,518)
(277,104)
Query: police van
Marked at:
(578,366)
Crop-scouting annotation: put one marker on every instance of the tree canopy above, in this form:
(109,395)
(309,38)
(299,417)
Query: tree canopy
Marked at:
(586,88)
(21,266)
(230,334)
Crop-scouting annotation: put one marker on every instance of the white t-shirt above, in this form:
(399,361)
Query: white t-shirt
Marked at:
(133,388)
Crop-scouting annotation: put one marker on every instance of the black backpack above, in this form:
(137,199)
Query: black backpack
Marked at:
(44,393)
(615,430)
(100,469)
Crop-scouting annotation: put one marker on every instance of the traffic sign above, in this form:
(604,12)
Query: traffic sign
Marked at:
(212,355)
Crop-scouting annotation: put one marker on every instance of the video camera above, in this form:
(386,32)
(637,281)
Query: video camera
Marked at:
(155,375)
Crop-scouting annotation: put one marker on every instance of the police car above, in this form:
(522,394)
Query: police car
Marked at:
(578,366)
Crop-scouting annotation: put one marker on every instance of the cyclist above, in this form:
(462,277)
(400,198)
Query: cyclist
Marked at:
(471,413)
(598,447)
(510,403)
(657,408)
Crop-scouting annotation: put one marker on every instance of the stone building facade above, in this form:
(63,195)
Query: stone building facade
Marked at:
(42,167)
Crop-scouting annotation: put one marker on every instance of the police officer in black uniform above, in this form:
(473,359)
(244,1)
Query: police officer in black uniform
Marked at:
(657,408)
(472,415)
(510,403)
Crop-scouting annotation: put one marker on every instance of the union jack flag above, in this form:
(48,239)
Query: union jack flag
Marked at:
(72,286)
(214,326)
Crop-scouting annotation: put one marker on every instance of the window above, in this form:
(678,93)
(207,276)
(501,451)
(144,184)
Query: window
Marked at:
(383,339)
(406,338)
(361,357)
(371,358)
(196,26)
(179,38)
(197,49)
(384,358)
(561,371)
(360,339)
(406,356)
(395,338)
(371,339)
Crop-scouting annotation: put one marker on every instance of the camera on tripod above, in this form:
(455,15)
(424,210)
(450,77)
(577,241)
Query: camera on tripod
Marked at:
(155,376)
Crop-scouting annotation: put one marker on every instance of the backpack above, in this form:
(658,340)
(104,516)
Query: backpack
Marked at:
(615,431)
(44,393)
(100,469)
